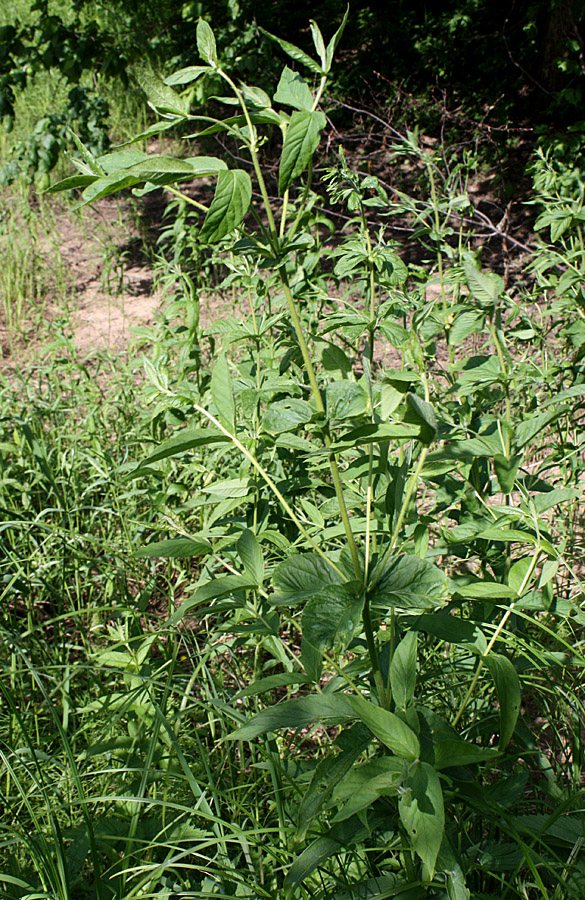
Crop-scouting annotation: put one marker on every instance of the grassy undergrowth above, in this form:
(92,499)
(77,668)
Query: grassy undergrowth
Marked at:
(301,615)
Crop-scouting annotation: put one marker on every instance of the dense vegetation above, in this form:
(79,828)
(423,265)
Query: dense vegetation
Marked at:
(297,612)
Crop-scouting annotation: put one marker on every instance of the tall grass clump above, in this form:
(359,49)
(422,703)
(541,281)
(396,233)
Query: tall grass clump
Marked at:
(357,671)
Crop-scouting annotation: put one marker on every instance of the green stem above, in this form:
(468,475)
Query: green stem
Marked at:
(188,199)
(326,435)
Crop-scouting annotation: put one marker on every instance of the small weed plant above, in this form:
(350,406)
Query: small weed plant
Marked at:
(364,681)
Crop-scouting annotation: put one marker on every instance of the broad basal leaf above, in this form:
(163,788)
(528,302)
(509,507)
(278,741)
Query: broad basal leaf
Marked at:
(286,415)
(301,576)
(229,206)
(302,139)
(331,617)
(408,582)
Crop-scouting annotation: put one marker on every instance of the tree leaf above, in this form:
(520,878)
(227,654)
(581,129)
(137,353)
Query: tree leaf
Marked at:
(229,205)
(509,694)
(409,582)
(301,141)
(206,43)
(387,727)
(292,90)
(222,393)
(403,670)
(250,553)
(286,415)
(423,815)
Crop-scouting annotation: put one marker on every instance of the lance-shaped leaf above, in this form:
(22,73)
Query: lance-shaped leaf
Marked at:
(302,139)
(403,670)
(176,548)
(206,43)
(301,576)
(159,170)
(334,708)
(509,694)
(162,97)
(388,728)
(229,206)
(334,42)
(222,393)
(295,53)
(423,814)
(292,90)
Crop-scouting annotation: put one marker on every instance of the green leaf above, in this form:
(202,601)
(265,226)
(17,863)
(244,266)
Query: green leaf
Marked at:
(186,440)
(461,753)
(159,170)
(331,617)
(176,548)
(334,42)
(466,323)
(451,629)
(295,53)
(187,75)
(509,694)
(337,839)
(229,488)
(319,43)
(506,469)
(286,415)
(346,400)
(73,181)
(301,576)
(486,288)
(528,430)
(419,412)
(403,671)
(250,553)
(387,727)
(222,393)
(409,582)
(292,90)
(162,97)
(300,713)
(423,815)
(263,685)
(361,787)
(206,43)
(330,771)
(229,206)
(301,141)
